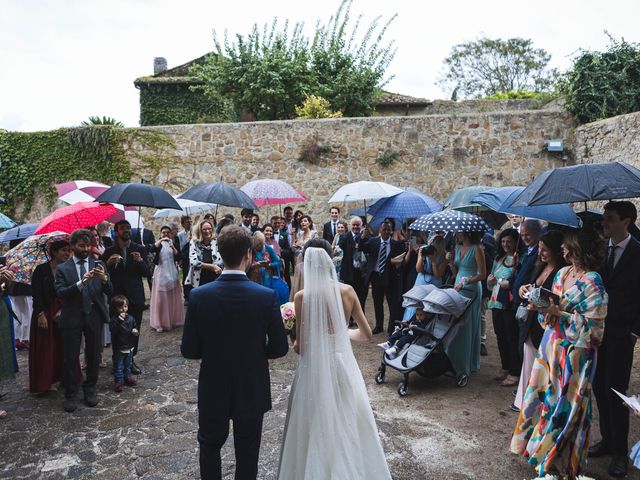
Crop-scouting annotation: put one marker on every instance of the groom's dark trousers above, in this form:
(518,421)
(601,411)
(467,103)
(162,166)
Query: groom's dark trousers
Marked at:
(234,383)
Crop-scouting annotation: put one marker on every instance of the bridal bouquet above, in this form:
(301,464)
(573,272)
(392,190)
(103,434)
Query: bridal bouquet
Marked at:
(288,314)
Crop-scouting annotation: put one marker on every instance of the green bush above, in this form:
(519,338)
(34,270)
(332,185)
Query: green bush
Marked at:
(604,84)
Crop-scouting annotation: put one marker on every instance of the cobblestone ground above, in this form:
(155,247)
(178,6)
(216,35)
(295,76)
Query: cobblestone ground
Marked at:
(438,431)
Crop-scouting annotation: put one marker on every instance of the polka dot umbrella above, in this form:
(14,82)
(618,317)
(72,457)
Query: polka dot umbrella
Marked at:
(449,221)
(78,215)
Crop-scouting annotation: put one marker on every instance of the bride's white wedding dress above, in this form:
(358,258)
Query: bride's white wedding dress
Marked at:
(330,432)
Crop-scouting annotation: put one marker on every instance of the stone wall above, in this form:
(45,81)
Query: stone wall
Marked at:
(436,153)
(615,139)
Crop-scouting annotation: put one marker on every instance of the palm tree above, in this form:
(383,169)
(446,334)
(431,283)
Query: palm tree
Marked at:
(102,121)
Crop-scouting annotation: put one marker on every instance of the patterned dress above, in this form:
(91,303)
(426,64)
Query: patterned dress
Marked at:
(553,428)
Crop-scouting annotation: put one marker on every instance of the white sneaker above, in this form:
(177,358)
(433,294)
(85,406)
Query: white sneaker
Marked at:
(391,352)
(384,345)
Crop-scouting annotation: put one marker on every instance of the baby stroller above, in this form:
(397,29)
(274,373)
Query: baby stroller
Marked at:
(426,354)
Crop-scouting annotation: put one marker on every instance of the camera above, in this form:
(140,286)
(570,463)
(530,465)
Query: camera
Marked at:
(427,250)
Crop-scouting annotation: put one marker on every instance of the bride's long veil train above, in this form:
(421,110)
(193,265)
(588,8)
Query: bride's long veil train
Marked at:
(330,432)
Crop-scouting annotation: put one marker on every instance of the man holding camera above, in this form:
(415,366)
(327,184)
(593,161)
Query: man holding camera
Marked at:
(127,267)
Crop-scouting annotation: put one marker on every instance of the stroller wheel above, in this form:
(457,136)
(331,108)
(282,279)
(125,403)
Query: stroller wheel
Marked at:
(462,380)
(402,389)
(379,377)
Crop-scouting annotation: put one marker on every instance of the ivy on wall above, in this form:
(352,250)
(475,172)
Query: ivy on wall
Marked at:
(176,105)
(34,162)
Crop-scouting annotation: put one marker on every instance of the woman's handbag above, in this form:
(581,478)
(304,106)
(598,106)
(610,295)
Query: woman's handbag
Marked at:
(522,313)
(281,288)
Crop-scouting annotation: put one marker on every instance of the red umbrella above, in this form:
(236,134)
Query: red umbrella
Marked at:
(78,215)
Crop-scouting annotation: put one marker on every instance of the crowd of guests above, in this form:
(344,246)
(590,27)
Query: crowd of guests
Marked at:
(564,305)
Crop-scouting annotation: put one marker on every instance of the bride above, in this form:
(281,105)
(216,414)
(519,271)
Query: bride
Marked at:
(330,432)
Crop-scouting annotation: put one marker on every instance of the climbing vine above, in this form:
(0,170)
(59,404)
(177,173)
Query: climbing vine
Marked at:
(32,163)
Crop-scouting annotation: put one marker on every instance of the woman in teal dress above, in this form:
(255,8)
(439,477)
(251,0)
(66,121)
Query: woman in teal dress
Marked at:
(470,268)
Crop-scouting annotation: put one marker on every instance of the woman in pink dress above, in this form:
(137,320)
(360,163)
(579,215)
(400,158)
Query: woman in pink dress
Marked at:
(167,301)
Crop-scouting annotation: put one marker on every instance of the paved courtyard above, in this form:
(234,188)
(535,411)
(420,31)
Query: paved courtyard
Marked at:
(438,431)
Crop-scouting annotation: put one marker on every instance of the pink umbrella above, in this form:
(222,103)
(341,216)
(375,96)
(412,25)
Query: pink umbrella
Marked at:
(272,192)
(78,215)
(87,191)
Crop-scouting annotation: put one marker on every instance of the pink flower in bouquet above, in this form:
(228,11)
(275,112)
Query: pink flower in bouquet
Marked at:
(288,314)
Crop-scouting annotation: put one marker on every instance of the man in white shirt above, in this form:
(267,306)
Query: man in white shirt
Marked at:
(330,229)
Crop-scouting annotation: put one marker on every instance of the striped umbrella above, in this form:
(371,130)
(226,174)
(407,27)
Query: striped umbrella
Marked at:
(87,191)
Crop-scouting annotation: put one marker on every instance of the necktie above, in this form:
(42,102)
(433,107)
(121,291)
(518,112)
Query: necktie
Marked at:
(333,228)
(86,300)
(611,258)
(382,257)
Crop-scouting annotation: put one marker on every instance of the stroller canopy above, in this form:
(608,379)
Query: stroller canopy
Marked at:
(415,296)
(445,301)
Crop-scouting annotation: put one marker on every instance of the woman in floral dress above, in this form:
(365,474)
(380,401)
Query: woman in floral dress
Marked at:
(552,432)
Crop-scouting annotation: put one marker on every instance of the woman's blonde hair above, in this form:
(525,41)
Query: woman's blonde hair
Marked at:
(439,245)
(258,236)
(196,232)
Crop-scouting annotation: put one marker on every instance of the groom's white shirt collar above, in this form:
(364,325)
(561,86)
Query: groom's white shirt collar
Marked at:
(232,272)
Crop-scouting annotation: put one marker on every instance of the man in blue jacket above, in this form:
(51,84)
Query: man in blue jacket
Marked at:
(234,381)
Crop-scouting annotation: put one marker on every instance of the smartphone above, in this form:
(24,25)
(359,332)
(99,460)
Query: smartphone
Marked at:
(3,261)
(414,240)
(550,295)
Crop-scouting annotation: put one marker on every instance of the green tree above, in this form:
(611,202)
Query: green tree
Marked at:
(487,67)
(350,72)
(604,84)
(102,121)
(265,74)
(268,73)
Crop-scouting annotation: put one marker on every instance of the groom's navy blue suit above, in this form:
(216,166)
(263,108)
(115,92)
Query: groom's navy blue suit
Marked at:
(233,325)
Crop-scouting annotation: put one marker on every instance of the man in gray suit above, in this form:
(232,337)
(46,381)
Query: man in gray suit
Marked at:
(81,284)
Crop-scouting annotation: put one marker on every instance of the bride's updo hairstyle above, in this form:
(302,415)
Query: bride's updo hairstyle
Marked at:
(319,243)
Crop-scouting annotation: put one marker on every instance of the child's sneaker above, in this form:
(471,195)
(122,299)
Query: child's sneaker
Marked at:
(384,345)
(130,381)
(118,387)
(391,352)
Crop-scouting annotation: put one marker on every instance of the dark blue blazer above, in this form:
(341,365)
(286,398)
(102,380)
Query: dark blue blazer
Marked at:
(371,246)
(233,325)
(525,270)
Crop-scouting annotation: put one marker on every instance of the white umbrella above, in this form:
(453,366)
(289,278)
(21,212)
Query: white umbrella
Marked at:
(189,207)
(363,191)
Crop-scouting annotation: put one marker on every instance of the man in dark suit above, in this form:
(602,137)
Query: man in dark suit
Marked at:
(146,238)
(381,274)
(81,284)
(352,266)
(330,229)
(126,261)
(621,276)
(234,379)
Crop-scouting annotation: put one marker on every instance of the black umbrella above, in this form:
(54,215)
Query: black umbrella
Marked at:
(139,195)
(221,194)
(582,183)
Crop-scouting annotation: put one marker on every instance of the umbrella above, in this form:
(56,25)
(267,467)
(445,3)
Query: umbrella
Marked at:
(499,199)
(364,191)
(188,207)
(582,183)
(79,215)
(449,221)
(461,199)
(18,233)
(6,222)
(221,194)
(408,204)
(23,259)
(87,191)
(272,192)
(138,194)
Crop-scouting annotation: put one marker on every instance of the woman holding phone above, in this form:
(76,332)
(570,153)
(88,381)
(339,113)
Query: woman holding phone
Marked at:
(265,261)
(552,431)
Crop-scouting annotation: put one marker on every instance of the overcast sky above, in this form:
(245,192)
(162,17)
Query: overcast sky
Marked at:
(63,61)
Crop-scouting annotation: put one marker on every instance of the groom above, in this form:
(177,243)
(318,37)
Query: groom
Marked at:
(234,379)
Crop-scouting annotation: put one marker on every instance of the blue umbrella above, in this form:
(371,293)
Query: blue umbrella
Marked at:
(6,222)
(499,199)
(18,233)
(408,204)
